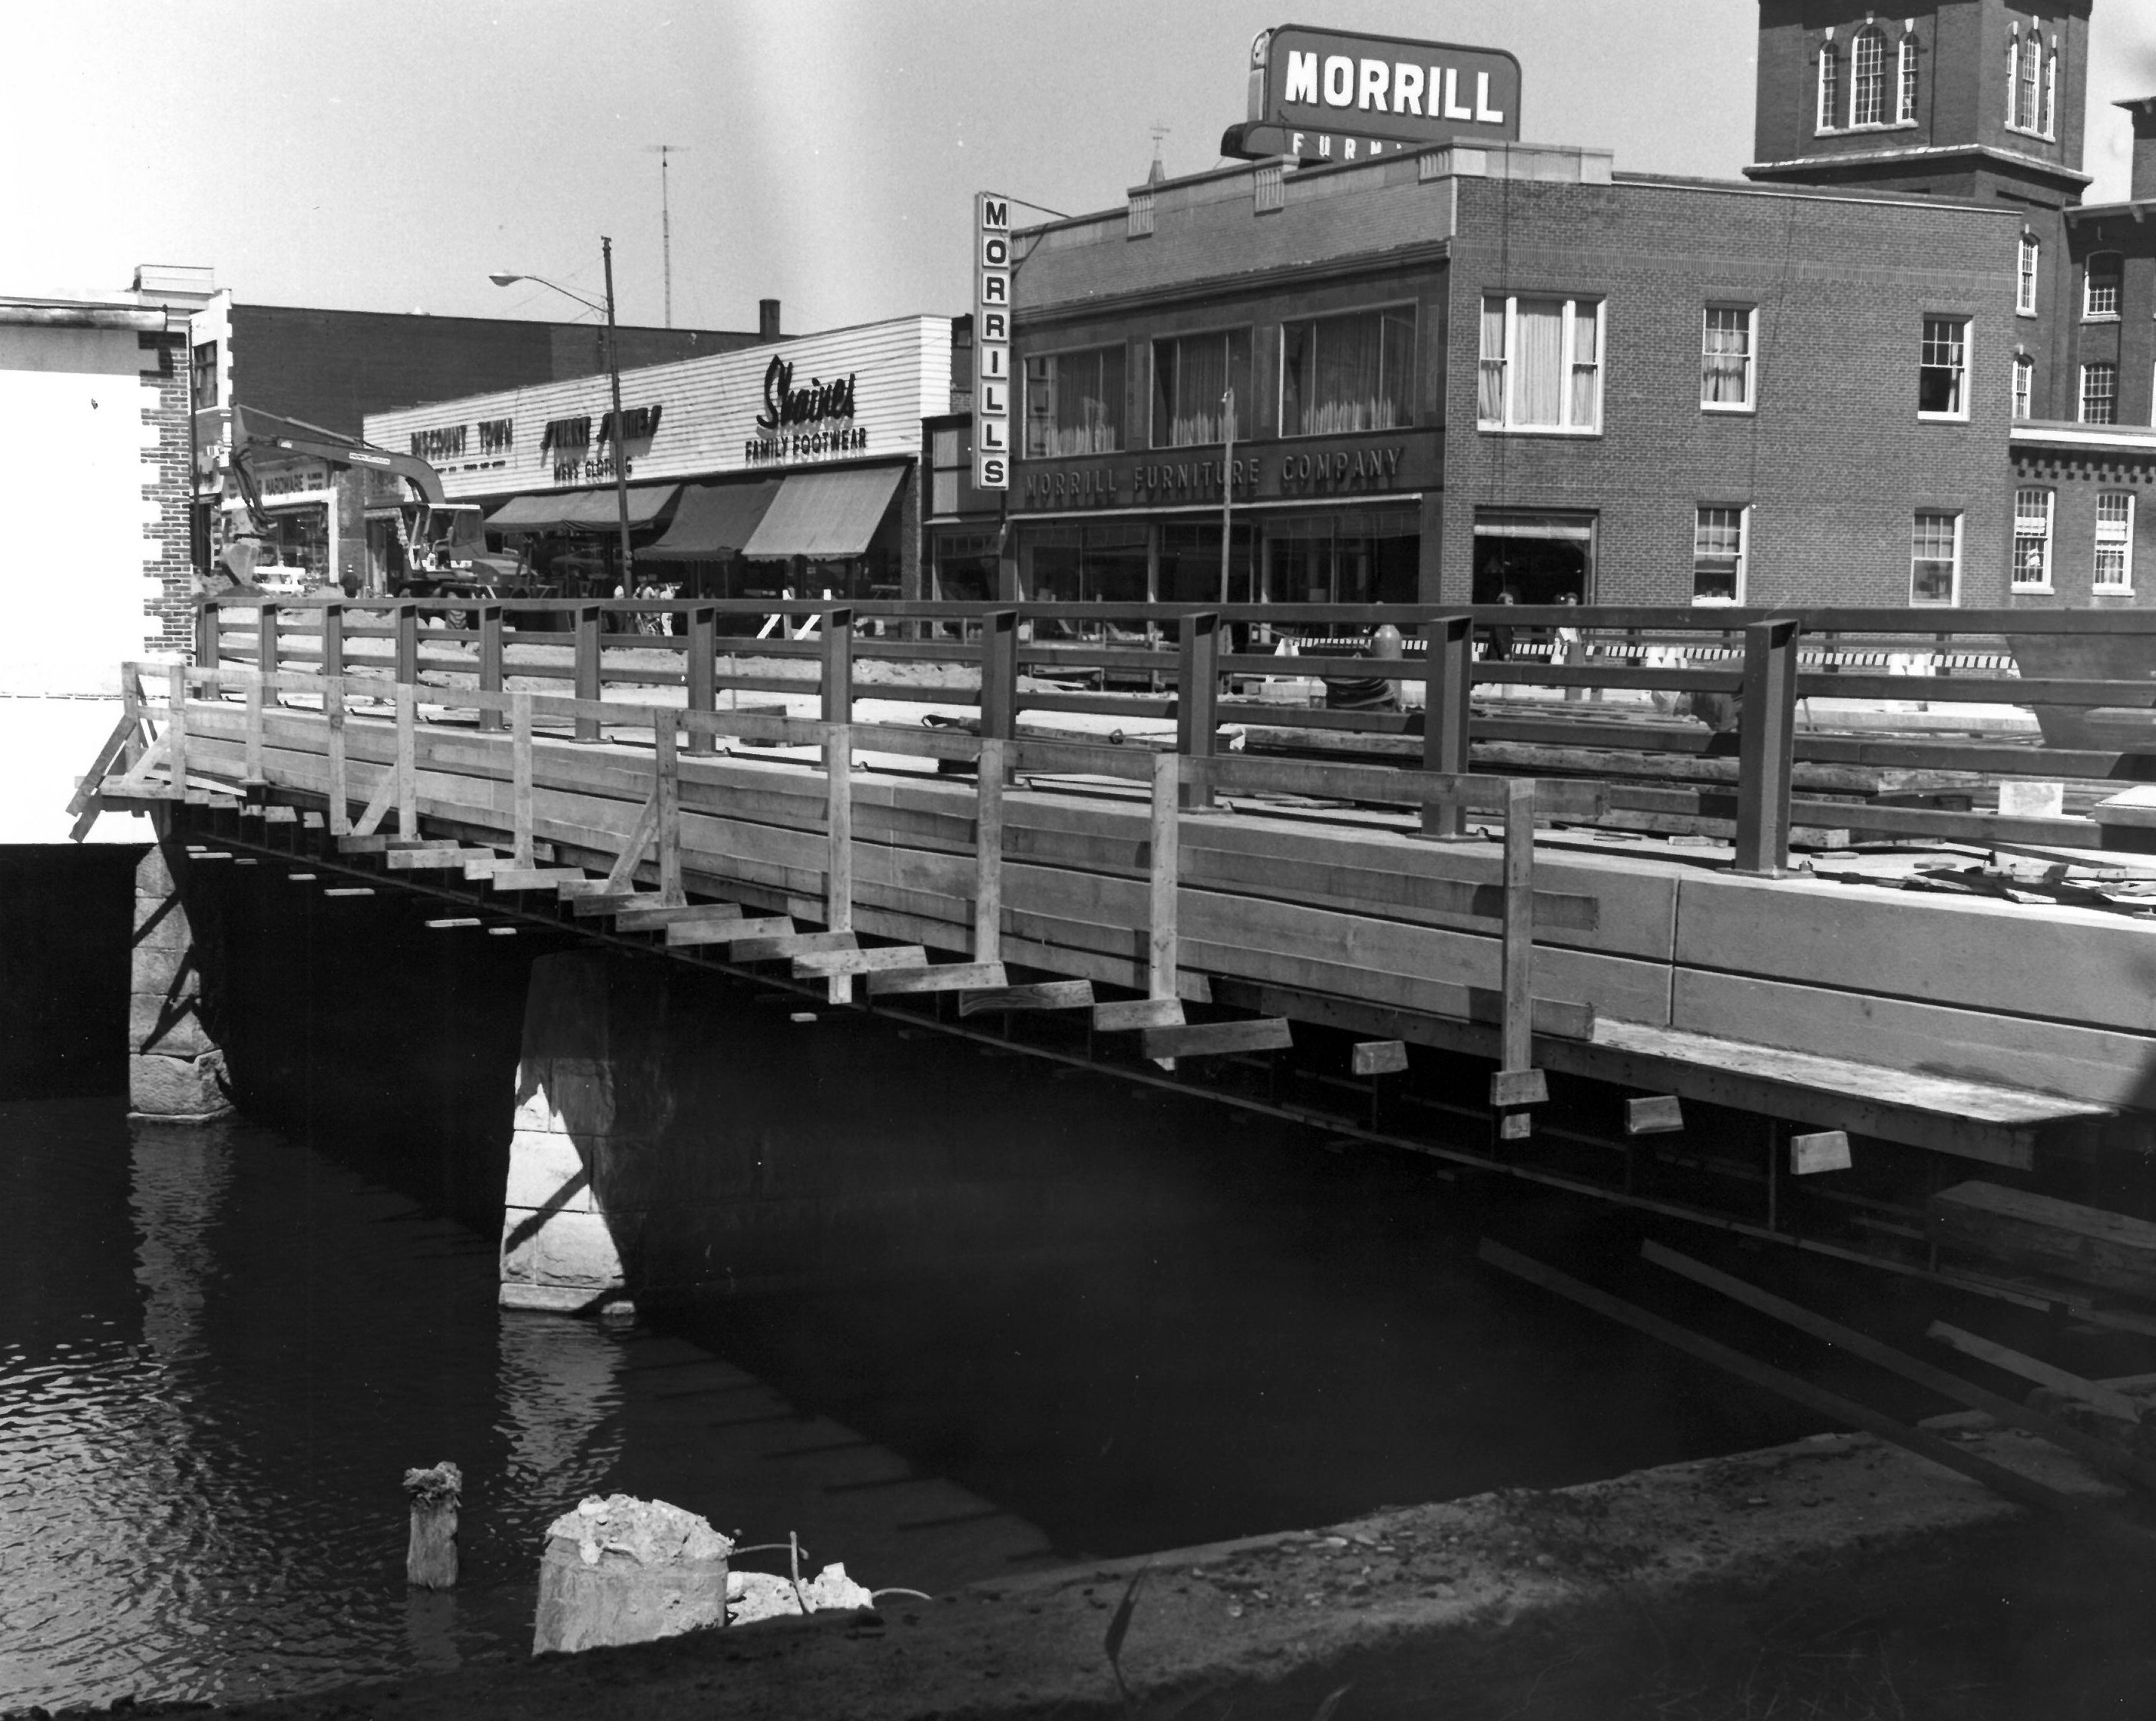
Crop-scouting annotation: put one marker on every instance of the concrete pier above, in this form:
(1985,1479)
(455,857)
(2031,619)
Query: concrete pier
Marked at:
(592,1101)
(175,1070)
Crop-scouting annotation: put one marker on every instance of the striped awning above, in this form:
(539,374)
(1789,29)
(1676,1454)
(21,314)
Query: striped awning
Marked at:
(823,515)
(580,510)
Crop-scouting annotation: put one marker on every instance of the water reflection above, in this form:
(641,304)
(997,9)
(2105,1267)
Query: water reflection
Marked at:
(560,1380)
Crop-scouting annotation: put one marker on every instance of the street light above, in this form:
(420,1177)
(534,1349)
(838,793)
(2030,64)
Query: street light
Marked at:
(503,279)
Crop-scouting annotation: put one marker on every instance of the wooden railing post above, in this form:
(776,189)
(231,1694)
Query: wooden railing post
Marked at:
(1766,747)
(667,791)
(838,860)
(131,707)
(1198,700)
(989,775)
(1161,933)
(586,682)
(407,616)
(702,672)
(332,640)
(839,666)
(999,674)
(489,661)
(407,761)
(176,727)
(1450,667)
(253,775)
(206,640)
(265,640)
(520,780)
(340,789)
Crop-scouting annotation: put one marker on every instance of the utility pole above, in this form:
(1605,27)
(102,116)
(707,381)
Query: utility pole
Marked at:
(665,220)
(1227,484)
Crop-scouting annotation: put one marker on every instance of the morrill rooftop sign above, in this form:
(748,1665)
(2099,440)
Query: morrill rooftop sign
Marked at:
(1336,96)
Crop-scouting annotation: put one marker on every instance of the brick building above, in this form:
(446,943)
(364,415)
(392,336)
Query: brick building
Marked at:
(1489,366)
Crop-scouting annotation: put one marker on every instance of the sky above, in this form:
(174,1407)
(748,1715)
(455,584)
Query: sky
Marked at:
(389,155)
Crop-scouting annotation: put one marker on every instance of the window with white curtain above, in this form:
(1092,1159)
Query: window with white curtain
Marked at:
(2025,282)
(2032,540)
(1935,558)
(1829,87)
(1718,554)
(2114,540)
(1351,373)
(1191,374)
(1074,403)
(1905,108)
(1868,78)
(2025,385)
(1725,358)
(1540,364)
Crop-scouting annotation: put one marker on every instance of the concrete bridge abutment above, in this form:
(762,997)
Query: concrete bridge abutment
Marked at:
(176,1068)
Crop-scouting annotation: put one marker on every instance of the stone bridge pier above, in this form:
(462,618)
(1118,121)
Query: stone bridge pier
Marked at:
(176,1068)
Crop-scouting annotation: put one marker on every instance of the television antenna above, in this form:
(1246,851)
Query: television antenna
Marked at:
(665,219)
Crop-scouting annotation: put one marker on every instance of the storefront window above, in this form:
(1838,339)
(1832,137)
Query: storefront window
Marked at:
(1190,564)
(1074,403)
(1354,373)
(1343,555)
(1191,375)
(1083,564)
(965,567)
(1539,559)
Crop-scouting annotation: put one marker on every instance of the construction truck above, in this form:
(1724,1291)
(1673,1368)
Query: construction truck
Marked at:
(444,542)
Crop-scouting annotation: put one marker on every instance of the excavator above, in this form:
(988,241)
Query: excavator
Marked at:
(444,542)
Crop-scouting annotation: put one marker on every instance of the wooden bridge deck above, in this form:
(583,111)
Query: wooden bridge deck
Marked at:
(1978,1028)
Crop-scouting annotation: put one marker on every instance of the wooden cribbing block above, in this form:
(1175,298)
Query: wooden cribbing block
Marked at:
(281,815)
(484,863)
(2086,1243)
(947,977)
(2107,1399)
(1201,1040)
(1377,1057)
(652,920)
(531,878)
(1515,1126)
(1657,1114)
(1510,1088)
(1045,994)
(824,964)
(726,932)
(427,859)
(594,905)
(1825,1150)
(573,888)
(1132,1013)
(784,945)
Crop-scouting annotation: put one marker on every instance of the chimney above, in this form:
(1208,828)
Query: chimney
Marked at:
(767,319)
(2143,110)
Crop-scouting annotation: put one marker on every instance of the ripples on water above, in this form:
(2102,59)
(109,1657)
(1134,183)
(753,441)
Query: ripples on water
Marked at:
(218,1351)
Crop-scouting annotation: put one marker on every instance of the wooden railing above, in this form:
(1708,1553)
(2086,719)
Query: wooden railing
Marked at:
(1753,769)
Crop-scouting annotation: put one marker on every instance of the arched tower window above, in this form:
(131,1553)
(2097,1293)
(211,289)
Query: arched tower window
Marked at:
(1868,78)
(2032,71)
(2050,88)
(1905,107)
(1830,85)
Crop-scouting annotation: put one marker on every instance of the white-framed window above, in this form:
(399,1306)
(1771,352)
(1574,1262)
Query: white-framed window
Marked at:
(1935,559)
(1905,107)
(2114,540)
(1942,369)
(2032,540)
(1074,403)
(1719,553)
(1540,364)
(2100,286)
(2024,281)
(2025,386)
(1192,375)
(1727,347)
(2100,393)
(1354,372)
(1867,77)
(1830,85)
(2032,83)
(2050,89)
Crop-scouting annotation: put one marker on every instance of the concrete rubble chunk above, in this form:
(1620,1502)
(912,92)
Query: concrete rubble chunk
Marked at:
(618,1569)
(763,1596)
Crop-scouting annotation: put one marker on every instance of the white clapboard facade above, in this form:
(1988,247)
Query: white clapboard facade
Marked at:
(857,396)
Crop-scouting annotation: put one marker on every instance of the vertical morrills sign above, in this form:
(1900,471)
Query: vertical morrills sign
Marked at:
(991,355)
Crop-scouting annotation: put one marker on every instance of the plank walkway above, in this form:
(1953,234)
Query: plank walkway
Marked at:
(1980,1029)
